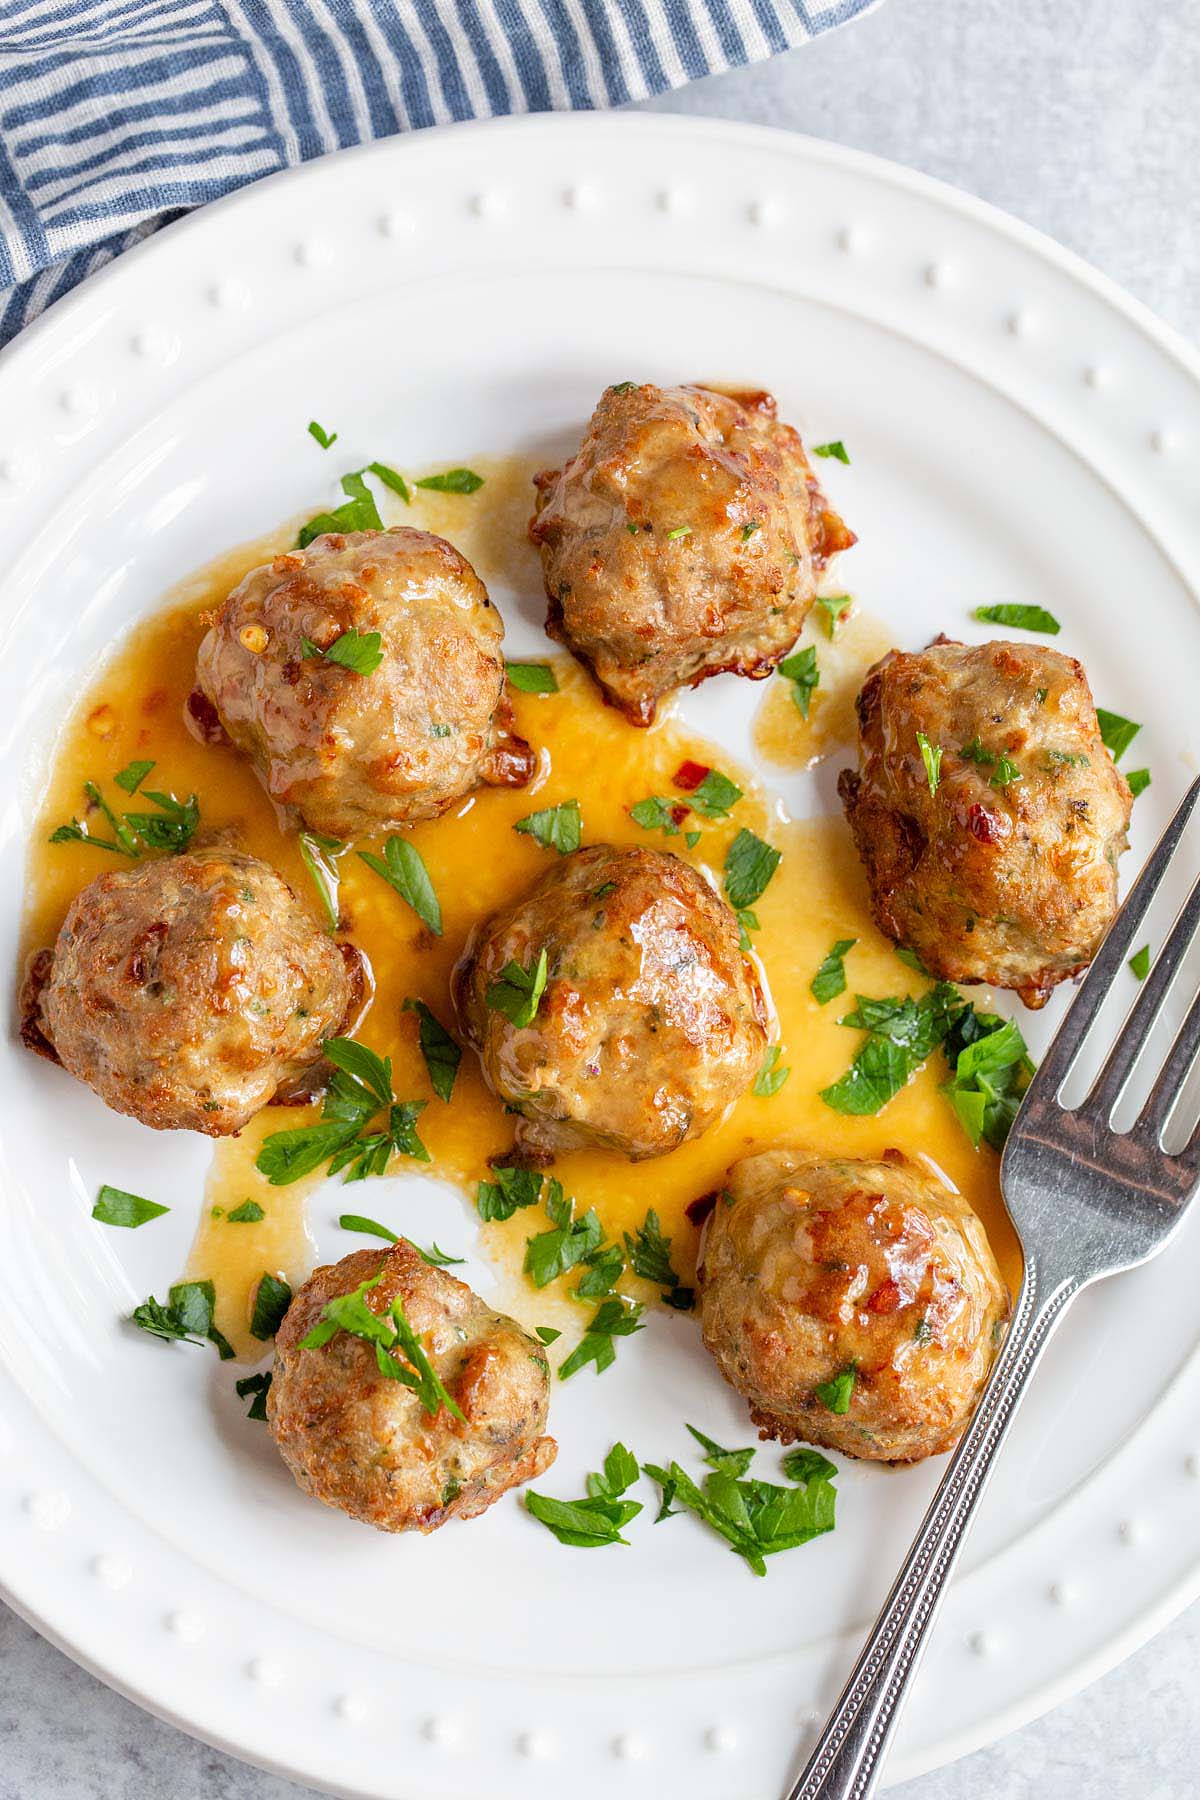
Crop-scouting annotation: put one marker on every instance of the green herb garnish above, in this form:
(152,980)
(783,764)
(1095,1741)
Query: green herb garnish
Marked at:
(323,437)
(800,668)
(531,678)
(131,777)
(1139,962)
(1116,733)
(931,756)
(757,1519)
(187,1317)
(836,449)
(770,1077)
(248,1213)
(726,1462)
(990,1070)
(1005,773)
(598,1520)
(555,827)
(656,813)
(272,1297)
(315,848)
(649,1254)
(260,1387)
(806,1464)
(454,481)
(568,1242)
(360,1088)
(836,609)
(442,1055)
(116,1207)
(403,868)
(613,1318)
(393,1338)
(1025,618)
(830,979)
(714,796)
(901,1035)
(391,478)
(835,1393)
(518,992)
(749,866)
(359,651)
(509,1192)
(1139,781)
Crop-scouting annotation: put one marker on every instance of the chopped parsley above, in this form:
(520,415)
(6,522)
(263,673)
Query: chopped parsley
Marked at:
(598,1520)
(807,1464)
(568,1242)
(171,828)
(187,1317)
(726,1462)
(509,1192)
(1025,618)
(369,1227)
(713,797)
(1005,773)
(518,992)
(1139,781)
(547,1334)
(315,849)
(749,529)
(358,512)
(757,1519)
(325,438)
(835,1394)
(131,777)
(393,1338)
(770,1077)
(601,1272)
(836,610)
(830,979)
(680,531)
(259,1386)
(836,449)
(657,813)
(391,478)
(901,1035)
(272,1297)
(1139,962)
(555,827)
(931,756)
(990,1070)
(359,651)
(360,1088)
(649,1254)
(248,1213)
(613,1318)
(403,868)
(1116,733)
(442,1055)
(531,678)
(454,481)
(749,866)
(116,1207)
(800,668)
(437,1258)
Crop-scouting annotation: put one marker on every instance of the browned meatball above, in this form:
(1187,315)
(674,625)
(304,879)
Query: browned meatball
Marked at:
(362,1441)
(191,991)
(852,1304)
(1006,872)
(683,538)
(354,753)
(651,1023)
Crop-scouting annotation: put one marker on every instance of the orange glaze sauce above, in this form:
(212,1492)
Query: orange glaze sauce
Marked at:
(134,708)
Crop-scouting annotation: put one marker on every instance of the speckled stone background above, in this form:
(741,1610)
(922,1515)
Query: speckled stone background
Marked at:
(1082,117)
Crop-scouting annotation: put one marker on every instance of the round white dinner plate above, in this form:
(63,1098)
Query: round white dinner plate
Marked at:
(1019,431)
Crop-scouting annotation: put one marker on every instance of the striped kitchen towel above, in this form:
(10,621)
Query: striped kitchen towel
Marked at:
(116,115)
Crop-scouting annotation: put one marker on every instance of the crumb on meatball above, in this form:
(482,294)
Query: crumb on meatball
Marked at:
(351,753)
(1006,872)
(813,1269)
(358,1440)
(684,537)
(652,1021)
(190,991)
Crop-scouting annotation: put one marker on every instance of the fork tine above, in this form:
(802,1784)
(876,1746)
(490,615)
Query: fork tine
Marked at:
(1106,1090)
(1112,953)
(1174,1072)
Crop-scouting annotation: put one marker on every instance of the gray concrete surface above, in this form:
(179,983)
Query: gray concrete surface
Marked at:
(1083,118)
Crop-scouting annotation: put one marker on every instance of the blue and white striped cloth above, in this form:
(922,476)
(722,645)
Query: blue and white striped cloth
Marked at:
(116,115)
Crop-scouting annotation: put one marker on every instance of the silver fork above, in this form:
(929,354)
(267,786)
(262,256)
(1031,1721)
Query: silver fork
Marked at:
(1086,1201)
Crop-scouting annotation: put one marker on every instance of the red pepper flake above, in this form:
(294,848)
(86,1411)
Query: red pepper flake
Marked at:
(679,813)
(987,826)
(699,1209)
(689,775)
(885,1299)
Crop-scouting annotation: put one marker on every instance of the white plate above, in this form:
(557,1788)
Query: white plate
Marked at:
(1019,430)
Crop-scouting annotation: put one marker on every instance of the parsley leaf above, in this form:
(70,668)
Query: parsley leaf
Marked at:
(323,437)
(173,828)
(990,1070)
(835,1394)
(442,1055)
(770,1077)
(613,1318)
(359,651)
(357,513)
(568,1242)
(1139,963)
(454,481)
(757,1519)
(836,449)
(587,1524)
(1139,781)
(800,668)
(547,1334)
(131,777)
(390,1332)
(807,1464)
(403,868)
(656,813)
(531,678)
(680,531)
(511,1190)
(649,1253)
(1005,773)
(601,1272)
(248,1213)
(314,848)
(260,1387)
(272,1297)
(115,1207)
(1115,732)
(361,1086)
(749,866)
(836,610)
(830,979)
(931,756)
(518,992)
(1025,618)
(555,827)
(901,1035)
(187,1317)
(371,1227)
(715,795)
(391,478)
(728,1462)
(436,1258)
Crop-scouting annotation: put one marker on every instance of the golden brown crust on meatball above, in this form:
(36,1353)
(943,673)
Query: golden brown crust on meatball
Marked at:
(811,1267)
(352,753)
(682,539)
(1007,881)
(652,1021)
(359,1441)
(189,991)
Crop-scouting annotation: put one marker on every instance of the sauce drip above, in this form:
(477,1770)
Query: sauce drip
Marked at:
(134,708)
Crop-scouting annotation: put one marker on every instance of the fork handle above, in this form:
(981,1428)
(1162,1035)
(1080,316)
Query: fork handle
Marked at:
(848,1757)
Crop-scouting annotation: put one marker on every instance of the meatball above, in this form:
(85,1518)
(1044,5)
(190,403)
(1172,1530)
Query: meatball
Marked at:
(191,991)
(852,1304)
(997,862)
(685,537)
(651,1023)
(351,753)
(362,1441)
